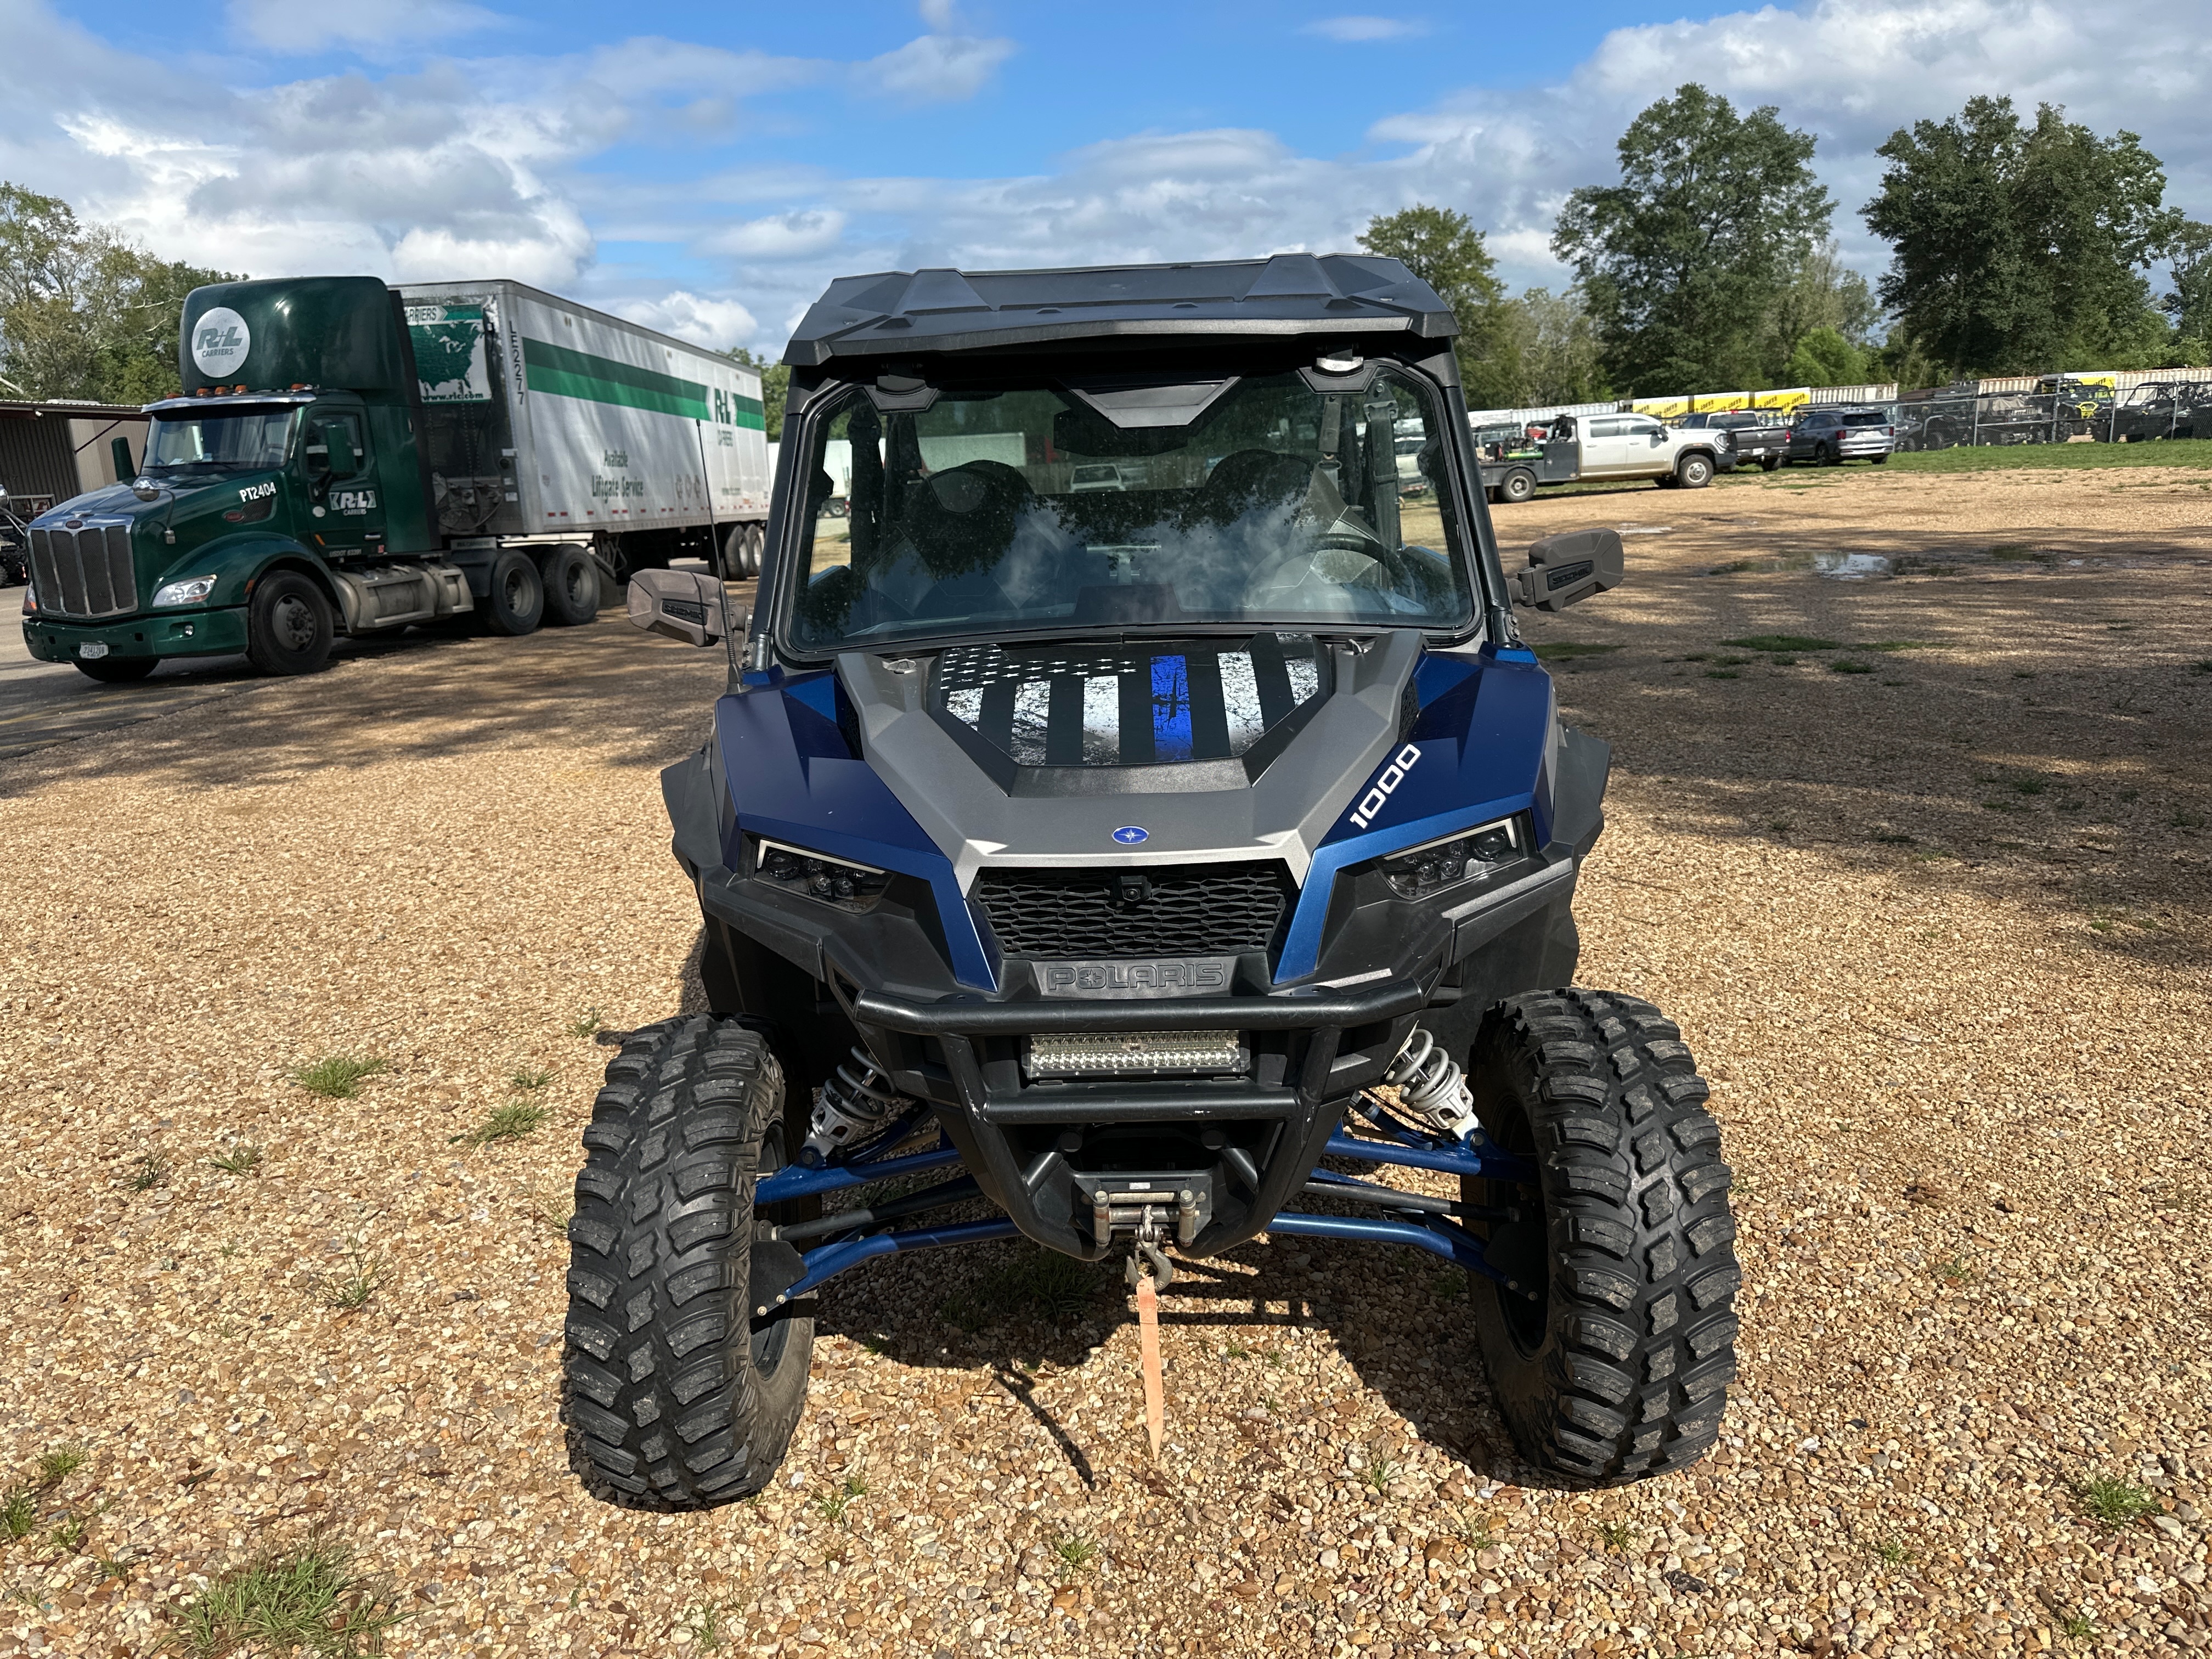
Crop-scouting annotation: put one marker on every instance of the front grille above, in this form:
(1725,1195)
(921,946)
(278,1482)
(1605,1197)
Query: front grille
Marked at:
(1186,910)
(84,573)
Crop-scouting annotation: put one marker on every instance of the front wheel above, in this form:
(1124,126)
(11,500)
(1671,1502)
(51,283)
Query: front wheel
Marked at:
(1610,1344)
(288,625)
(1694,472)
(680,1394)
(1518,486)
(516,602)
(116,671)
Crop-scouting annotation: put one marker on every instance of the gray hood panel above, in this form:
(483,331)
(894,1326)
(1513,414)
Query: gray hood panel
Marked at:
(1193,813)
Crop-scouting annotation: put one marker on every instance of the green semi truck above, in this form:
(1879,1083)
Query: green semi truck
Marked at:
(351,459)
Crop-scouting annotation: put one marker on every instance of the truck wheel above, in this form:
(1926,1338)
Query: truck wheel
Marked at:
(289,626)
(116,671)
(1881,459)
(1767,464)
(1610,1355)
(681,1398)
(572,586)
(516,603)
(755,544)
(1694,471)
(1517,485)
(1823,455)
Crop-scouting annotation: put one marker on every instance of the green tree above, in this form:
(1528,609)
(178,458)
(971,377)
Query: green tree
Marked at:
(2018,248)
(1823,296)
(1544,351)
(1445,251)
(2189,305)
(1825,357)
(1682,263)
(775,387)
(84,311)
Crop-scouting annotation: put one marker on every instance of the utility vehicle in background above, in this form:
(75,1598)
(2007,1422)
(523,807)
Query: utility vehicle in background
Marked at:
(1137,862)
(350,458)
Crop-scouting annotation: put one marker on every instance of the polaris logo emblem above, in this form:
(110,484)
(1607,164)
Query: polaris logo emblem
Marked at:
(1168,977)
(1129,835)
(1386,785)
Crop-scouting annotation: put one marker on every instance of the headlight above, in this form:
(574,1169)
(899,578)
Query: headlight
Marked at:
(1429,869)
(185,593)
(816,875)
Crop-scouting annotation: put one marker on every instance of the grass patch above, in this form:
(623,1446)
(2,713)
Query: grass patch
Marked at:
(2020,553)
(1567,650)
(2189,453)
(1843,667)
(1734,567)
(1381,1472)
(19,1513)
(1074,1554)
(57,1465)
(338,1077)
(530,1079)
(1779,642)
(586,1024)
(1449,1285)
(1891,1553)
(2076,1626)
(832,1505)
(2112,1503)
(312,1600)
(1041,1285)
(242,1159)
(509,1122)
(2202,665)
(2030,786)
(705,1624)
(1613,1534)
(68,1537)
(353,1288)
(1956,1270)
(151,1171)
(1723,674)
(1893,645)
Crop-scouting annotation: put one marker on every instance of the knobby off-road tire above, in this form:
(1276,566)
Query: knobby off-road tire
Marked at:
(680,1398)
(1619,1366)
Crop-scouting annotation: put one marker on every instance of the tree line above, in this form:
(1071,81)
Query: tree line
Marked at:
(2016,246)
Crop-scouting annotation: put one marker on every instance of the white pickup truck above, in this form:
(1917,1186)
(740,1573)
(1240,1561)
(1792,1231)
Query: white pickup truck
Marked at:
(1580,448)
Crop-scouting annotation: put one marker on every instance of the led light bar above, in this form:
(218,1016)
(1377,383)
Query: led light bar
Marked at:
(1121,1053)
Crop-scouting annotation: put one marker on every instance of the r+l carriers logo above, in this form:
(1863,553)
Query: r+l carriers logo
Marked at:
(1386,785)
(221,340)
(352,500)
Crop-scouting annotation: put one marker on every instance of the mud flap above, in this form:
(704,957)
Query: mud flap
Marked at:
(777,1265)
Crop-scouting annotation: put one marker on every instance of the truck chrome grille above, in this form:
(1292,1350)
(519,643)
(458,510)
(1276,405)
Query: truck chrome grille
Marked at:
(1190,910)
(84,573)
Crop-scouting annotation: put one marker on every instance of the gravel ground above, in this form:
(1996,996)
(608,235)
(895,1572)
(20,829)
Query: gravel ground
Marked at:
(1937,932)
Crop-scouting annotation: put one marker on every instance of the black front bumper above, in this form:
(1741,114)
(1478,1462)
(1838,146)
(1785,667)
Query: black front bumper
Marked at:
(1034,1145)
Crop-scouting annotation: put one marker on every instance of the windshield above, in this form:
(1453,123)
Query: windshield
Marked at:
(1024,508)
(245,441)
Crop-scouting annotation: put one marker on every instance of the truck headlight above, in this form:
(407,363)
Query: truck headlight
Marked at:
(1423,870)
(818,875)
(192,592)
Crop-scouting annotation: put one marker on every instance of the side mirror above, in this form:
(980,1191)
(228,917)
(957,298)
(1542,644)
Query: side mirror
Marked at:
(119,449)
(1565,568)
(683,605)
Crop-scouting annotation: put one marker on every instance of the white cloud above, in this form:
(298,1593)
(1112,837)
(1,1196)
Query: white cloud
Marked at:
(934,69)
(370,25)
(717,324)
(1359,29)
(797,235)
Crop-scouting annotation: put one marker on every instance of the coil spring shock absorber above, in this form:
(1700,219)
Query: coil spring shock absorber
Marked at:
(854,1104)
(1431,1087)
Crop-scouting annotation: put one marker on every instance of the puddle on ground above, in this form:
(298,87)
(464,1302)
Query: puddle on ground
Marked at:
(1836,567)
(1647,529)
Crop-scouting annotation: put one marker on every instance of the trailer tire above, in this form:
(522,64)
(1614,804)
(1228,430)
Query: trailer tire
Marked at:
(516,602)
(756,545)
(1694,471)
(572,586)
(290,629)
(1518,485)
(676,1394)
(116,671)
(1617,1365)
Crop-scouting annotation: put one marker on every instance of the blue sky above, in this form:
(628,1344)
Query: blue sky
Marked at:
(707,168)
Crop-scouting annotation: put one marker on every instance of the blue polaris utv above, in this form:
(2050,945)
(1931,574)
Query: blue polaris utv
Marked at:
(1137,806)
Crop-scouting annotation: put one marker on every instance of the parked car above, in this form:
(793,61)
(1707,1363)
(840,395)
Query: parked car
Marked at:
(1826,436)
(2161,409)
(1580,447)
(1756,437)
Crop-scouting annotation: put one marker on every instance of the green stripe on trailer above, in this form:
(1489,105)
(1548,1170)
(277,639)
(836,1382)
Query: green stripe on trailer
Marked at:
(569,373)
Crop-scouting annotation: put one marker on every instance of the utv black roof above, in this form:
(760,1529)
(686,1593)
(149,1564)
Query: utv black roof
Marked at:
(904,313)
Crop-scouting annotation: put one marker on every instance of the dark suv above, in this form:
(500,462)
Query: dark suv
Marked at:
(1826,436)
(1113,857)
